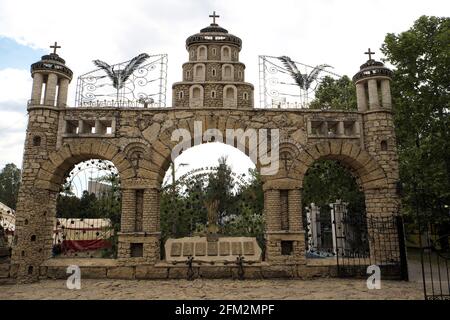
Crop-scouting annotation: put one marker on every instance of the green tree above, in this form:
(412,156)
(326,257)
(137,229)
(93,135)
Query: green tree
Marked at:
(335,94)
(420,90)
(9,185)
(327,181)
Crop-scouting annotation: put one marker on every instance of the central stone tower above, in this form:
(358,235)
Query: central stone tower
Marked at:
(213,77)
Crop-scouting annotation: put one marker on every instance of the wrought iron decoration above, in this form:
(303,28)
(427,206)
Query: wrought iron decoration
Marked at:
(303,80)
(119,77)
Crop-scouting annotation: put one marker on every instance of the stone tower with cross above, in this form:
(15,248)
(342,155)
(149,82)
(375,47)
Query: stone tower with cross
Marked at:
(51,78)
(213,77)
(373,94)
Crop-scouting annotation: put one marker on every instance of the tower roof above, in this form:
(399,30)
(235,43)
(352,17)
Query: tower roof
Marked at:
(372,68)
(52,63)
(214,34)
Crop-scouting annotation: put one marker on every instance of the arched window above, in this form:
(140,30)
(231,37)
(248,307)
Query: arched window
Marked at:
(384,145)
(214,51)
(240,75)
(229,96)
(180,95)
(213,94)
(227,72)
(196,96)
(245,96)
(201,53)
(214,72)
(199,72)
(36,141)
(226,53)
(188,74)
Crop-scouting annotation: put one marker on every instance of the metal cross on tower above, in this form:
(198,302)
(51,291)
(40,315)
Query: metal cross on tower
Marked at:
(370,53)
(214,16)
(54,47)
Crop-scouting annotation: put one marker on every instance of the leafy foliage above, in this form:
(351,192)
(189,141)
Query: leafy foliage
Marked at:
(420,89)
(9,185)
(327,181)
(335,94)
(240,208)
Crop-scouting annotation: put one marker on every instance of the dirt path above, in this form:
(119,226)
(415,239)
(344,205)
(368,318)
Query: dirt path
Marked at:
(214,289)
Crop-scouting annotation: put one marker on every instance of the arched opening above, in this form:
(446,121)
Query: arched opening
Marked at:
(334,213)
(384,145)
(211,188)
(196,96)
(227,72)
(230,96)
(199,72)
(88,212)
(36,141)
(201,53)
(226,53)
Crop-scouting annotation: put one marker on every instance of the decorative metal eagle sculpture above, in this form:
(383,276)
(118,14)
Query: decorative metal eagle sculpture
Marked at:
(303,80)
(119,77)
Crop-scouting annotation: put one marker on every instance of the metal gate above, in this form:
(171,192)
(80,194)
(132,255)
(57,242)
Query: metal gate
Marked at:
(434,258)
(362,241)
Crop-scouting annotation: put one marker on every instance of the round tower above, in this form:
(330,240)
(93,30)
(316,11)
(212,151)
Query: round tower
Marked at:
(51,80)
(213,77)
(373,90)
(34,222)
(375,104)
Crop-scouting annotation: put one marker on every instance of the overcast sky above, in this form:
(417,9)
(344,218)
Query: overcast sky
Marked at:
(309,31)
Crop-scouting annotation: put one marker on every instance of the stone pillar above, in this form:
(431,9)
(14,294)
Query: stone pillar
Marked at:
(151,211)
(50,89)
(295,210)
(36,92)
(99,127)
(361,97)
(62,92)
(127,223)
(374,102)
(340,128)
(272,210)
(386,99)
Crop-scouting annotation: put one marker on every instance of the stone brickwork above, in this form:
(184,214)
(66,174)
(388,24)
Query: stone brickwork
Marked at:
(138,142)
(213,77)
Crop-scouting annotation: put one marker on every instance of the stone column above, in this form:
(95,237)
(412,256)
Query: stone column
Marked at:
(50,89)
(386,99)
(127,222)
(151,225)
(62,92)
(272,210)
(295,210)
(36,91)
(361,97)
(340,128)
(151,211)
(374,102)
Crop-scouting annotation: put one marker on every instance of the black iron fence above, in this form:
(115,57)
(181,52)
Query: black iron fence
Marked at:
(434,258)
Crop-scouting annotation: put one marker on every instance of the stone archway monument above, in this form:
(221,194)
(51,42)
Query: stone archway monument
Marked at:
(212,102)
